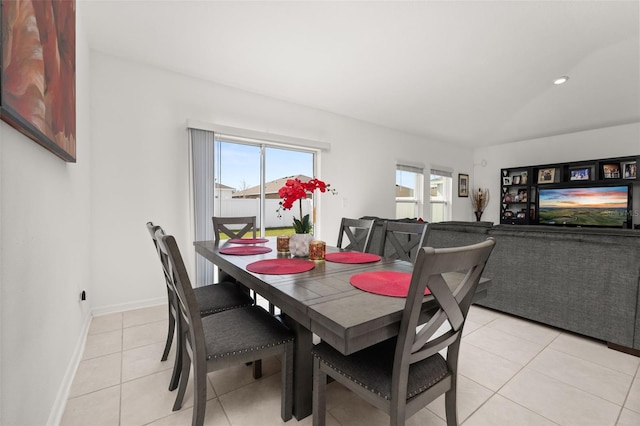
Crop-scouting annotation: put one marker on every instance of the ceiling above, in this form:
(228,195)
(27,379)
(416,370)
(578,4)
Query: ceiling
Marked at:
(472,73)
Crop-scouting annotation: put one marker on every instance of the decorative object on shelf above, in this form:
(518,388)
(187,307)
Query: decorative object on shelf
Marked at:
(546,176)
(463,185)
(580,173)
(506,180)
(479,200)
(296,190)
(611,171)
(515,180)
(628,170)
(299,244)
(37,91)
(523,178)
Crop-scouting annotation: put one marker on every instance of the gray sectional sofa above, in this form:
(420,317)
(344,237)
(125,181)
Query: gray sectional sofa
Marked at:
(577,279)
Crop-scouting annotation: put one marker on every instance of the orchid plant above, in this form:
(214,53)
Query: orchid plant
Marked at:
(296,190)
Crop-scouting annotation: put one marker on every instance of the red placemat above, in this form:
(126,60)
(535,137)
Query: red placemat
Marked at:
(248,240)
(386,283)
(245,250)
(351,257)
(280,266)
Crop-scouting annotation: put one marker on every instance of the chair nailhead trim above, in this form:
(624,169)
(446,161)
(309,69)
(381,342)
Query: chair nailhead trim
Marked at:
(234,353)
(359,383)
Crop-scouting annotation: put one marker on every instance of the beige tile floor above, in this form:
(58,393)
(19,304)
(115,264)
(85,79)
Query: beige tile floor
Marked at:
(512,372)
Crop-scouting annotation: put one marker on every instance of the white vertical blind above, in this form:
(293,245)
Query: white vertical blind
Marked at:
(202,158)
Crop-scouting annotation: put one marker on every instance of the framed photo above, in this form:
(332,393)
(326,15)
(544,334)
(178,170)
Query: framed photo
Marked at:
(580,173)
(546,175)
(611,171)
(508,213)
(515,180)
(521,215)
(37,91)
(463,185)
(628,170)
(506,180)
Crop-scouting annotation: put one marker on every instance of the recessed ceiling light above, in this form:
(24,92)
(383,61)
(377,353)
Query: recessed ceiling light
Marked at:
(561,80)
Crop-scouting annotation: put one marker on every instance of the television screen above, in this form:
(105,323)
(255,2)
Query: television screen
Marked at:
(601,206)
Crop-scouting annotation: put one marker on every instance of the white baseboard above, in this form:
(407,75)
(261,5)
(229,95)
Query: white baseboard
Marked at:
(57,411)
(55,416)
(121,307)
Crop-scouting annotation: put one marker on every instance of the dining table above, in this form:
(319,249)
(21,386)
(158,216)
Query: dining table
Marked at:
(321,301)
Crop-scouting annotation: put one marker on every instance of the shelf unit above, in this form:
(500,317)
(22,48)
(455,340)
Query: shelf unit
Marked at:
(519,185)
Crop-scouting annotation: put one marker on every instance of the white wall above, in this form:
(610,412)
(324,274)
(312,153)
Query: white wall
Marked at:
(609,142)
(45,219)
(140,165)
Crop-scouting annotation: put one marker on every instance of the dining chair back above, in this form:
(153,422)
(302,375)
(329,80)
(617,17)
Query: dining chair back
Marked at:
(358,234)
(225,339)
(401,240)
(405,373)
(211,299)
(233,227)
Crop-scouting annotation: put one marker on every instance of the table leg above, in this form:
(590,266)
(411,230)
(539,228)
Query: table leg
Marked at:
(302,369)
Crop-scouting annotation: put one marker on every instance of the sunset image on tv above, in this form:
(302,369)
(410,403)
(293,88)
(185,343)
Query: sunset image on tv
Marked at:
(604,206)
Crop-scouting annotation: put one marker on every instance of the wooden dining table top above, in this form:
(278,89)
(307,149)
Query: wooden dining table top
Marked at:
(323,299)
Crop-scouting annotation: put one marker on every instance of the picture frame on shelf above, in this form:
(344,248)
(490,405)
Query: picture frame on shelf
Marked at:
(507,214)
(521,215)
(580,173)
(463,185)
(629,170)
(523,178)
(611,171)
(546,176)
(506,180)
(515,180)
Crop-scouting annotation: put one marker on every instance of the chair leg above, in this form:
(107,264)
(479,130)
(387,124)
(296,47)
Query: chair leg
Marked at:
(177,364)
(450,405)
(286,411)
(172,327)
(199,395)
(257,369)
(184,380)
(319,394)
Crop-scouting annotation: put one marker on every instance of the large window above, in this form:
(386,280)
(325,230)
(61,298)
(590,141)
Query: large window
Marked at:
(240,176)
(248,176)
(409,192)
(440,195)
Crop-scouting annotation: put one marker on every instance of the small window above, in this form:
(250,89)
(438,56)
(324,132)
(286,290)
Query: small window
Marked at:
(409,191)
(440,195)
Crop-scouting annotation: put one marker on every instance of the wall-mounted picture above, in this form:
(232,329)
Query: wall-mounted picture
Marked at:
(506,180)
(38,87)
(463,185)
(628,170)
(611,171)
(580,173)
(546,175)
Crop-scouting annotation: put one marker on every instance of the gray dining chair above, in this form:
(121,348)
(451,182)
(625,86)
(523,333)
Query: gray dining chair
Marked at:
(211,299)
(235,227)
(401,240)
(355,234)
(222,340)
(404,374)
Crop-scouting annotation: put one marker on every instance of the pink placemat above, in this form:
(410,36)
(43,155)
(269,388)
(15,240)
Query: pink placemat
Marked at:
(386,283)
(245,250)
(351,257)
(248,240)
(280,266)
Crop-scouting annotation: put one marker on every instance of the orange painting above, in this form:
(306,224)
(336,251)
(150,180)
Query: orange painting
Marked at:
(38,90)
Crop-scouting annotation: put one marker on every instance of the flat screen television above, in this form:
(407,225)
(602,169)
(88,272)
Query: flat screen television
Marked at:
(605,206)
